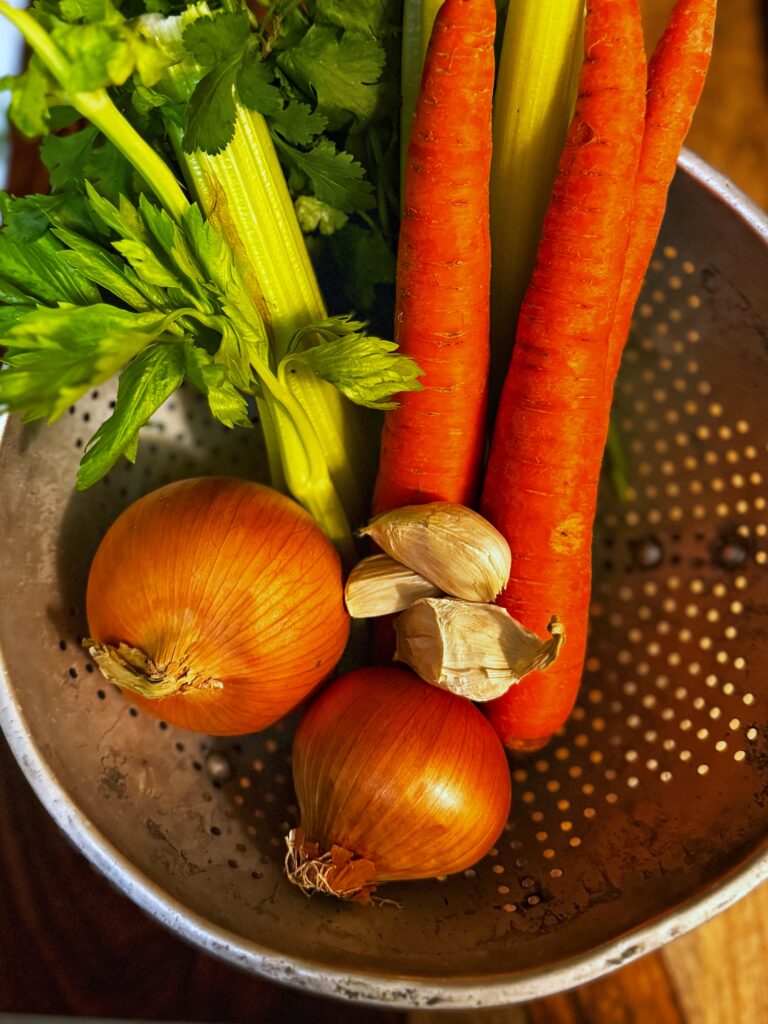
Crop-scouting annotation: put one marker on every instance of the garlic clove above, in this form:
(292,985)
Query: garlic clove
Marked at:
(474,650)
(379,585)
(448,544)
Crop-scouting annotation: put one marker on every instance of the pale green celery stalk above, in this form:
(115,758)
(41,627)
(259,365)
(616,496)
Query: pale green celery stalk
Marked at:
(617,465)
(418,19)
(244,189)
(288,427)
(535,95)
(244,193)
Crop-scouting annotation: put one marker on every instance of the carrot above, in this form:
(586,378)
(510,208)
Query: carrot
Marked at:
(541,483)
(433,443)
(676,74)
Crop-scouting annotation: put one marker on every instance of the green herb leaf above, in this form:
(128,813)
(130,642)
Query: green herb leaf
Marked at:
(26,217)
(376,17)
(123,218)
(13,296)
(313,215)
(213,40)
(88,10)
(36,269)
(368,370)
(9,315)
(33,92)
(339,70)
(83,156)
(210,252)
(225,45)
(364,260)
(145,384)
(22,220)
(146,264)
(334,176)
(107,53)
(211,111)
(254,83)
(298,123)
(226,403)
(55,355)
(101,267)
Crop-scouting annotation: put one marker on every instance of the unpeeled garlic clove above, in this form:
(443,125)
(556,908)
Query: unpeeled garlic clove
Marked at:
(474,650)
(379,585)
(448,544)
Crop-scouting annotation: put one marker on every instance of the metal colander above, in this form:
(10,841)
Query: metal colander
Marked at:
(645,816)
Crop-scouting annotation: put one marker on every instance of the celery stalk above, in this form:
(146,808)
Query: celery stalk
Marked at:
(99,109)
(418,19)
(243,191)
(535,95)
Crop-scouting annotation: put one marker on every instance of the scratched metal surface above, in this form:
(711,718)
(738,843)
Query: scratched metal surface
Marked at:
(644,817)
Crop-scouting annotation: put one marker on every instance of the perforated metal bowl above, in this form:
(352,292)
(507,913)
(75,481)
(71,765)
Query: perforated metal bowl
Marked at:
(645,817)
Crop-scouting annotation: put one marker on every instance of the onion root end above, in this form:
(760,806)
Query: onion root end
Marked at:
(339,872)
(132,669)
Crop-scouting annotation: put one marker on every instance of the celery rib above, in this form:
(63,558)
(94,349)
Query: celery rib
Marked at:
(534,101)
(99,109)
(314,437)
(244,191)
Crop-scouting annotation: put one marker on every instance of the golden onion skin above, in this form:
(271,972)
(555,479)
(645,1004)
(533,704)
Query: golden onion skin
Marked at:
(402,774)
(229,587)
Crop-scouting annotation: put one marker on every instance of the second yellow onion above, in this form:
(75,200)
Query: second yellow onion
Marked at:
(217,603)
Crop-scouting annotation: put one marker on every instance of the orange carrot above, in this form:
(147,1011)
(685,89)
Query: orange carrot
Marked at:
(433,443)
(541,483)
(676,74)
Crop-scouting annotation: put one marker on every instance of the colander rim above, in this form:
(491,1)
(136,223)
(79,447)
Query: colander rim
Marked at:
(366,986)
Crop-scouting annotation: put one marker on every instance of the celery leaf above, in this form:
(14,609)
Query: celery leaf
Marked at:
(146,263)
(226,403)
(37,269)
(105,54)
(368,370)
(55,355)
(103,268)
(145,383)
(88,10)
(31,98)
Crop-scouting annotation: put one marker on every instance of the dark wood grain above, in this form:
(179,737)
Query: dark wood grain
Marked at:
(71,944)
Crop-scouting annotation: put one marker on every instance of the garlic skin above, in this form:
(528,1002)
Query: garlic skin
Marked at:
(474,650)
(450,545)
(378,585)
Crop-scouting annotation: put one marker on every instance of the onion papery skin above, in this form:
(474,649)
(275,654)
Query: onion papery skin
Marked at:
(228,586)
(408,777)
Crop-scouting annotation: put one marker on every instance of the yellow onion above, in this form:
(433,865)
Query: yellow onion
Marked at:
(217,604)
(395,779)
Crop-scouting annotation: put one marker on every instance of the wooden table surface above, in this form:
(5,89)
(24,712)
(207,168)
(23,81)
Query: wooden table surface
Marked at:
(70,945)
